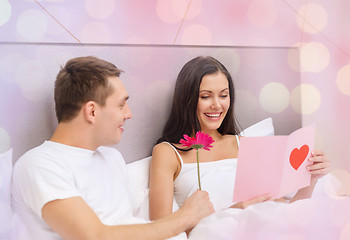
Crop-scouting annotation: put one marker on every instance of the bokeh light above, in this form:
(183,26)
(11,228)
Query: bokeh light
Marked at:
(96,32)
(274,97)
(343,176)
(4,140)
(305,99)
(32,79)
(293,57)
(327,188)
(9,64)
(63,16)
(196,34)
(180,6)
(5,12)
(343,80)
(263,13)
(100,9)
(32,25)
(315,14)
(174,10)
(165,12)
(345,232)
(314,57)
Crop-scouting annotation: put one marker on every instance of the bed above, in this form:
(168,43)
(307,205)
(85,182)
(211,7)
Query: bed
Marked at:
(27,74)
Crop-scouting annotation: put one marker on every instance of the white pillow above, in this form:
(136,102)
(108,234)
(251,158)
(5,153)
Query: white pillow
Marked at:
(138,172)
(262,128)
(5,176)
(11,226)
(6,214)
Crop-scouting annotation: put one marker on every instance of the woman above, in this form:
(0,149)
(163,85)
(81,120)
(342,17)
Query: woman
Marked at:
(203,101)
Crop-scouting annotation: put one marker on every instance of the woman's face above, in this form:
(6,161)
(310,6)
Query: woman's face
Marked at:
(213,101)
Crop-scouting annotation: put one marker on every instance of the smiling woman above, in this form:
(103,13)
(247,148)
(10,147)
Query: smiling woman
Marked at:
(203,101)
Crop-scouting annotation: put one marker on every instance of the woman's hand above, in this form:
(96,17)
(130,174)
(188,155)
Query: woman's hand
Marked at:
(320,165)
(243,205)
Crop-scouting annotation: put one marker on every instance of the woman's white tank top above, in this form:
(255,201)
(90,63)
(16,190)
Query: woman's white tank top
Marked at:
(217,178)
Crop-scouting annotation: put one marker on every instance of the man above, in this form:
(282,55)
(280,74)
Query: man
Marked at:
(72,187)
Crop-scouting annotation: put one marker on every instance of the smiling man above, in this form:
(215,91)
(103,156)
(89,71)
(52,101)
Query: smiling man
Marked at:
(73,186)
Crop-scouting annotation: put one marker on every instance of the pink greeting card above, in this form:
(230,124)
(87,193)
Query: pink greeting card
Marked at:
(273,164)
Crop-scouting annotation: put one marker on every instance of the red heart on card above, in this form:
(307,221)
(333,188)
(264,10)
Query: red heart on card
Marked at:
(298,156)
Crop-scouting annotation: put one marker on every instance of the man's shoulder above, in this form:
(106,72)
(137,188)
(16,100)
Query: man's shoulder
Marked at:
(110,152)
(32,153)
(30,164)
(42,155)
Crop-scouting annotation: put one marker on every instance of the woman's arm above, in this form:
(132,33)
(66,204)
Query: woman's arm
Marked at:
(259,199)
(164,166)
(320,166)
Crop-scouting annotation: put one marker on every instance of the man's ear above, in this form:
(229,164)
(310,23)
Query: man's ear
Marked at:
(89,111)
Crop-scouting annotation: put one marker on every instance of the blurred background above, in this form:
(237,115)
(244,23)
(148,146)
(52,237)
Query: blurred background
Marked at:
(314,33)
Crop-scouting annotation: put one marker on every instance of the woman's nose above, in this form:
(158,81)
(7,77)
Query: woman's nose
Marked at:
(215,104)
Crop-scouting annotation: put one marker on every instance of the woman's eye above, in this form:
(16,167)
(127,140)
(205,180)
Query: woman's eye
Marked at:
(224,96)
(204,97)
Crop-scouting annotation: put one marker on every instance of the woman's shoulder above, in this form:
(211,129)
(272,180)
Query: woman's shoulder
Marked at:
(163,147)
(230,137)
(231,140)
(163,154)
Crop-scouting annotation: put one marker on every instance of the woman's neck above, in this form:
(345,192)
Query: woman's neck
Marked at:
(214,134)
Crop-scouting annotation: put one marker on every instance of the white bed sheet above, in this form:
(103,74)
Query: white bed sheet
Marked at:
(325,216)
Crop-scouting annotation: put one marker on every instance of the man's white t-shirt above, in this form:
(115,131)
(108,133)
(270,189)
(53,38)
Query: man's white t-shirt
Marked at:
(54,171)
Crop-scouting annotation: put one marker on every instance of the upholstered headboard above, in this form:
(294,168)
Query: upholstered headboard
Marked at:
(28,71)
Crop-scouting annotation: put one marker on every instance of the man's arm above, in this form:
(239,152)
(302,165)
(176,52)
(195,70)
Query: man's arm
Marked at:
(72,218)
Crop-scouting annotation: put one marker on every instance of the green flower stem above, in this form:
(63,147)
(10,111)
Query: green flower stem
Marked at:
(199,178)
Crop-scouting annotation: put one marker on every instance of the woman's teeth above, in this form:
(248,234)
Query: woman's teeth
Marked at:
(212,115)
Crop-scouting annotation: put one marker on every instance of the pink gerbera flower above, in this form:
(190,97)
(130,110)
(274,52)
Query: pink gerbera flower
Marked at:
(202,140)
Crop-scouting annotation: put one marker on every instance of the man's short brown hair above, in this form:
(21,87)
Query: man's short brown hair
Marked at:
(81,80)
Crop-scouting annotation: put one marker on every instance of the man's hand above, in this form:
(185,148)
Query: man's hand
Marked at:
(197,207)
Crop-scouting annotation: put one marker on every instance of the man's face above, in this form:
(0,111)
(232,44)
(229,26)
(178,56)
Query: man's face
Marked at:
(112,116)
